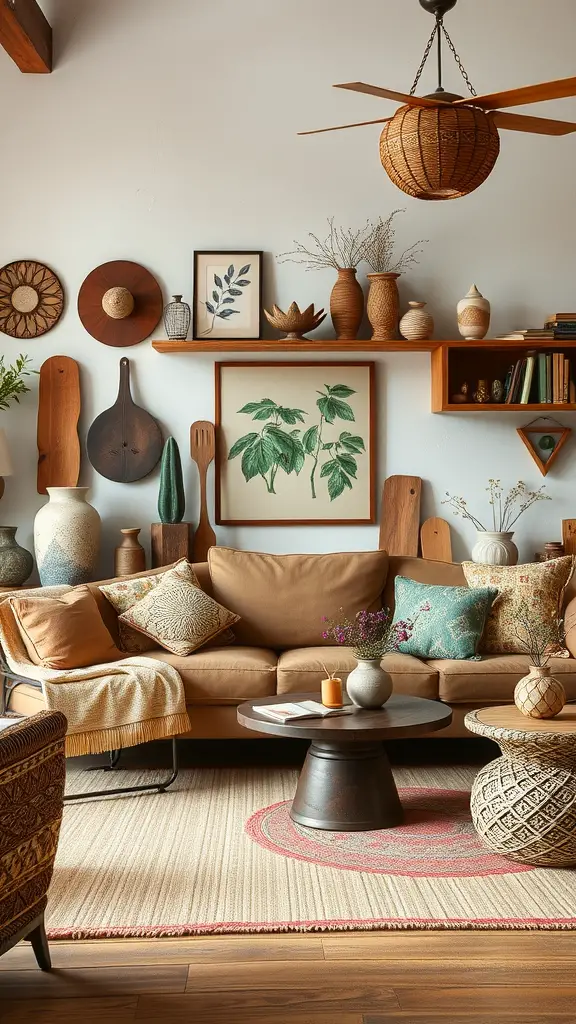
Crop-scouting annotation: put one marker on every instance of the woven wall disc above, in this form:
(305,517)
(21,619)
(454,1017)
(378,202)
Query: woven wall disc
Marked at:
(128,329)
(31,299)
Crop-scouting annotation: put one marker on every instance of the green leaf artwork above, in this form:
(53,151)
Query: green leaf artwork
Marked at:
(225,293)
(274,448)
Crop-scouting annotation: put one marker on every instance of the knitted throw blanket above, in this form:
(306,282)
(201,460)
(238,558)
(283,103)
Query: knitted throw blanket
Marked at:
(107,706)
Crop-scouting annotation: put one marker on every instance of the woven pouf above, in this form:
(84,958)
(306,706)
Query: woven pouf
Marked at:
(524,803)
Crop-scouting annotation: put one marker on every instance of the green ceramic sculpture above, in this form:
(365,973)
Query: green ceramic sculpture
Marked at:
(171,500)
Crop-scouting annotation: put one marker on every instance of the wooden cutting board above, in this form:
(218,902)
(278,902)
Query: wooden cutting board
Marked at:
(435,540)
(58,413)
(400,515)
(569,536)
(124,442)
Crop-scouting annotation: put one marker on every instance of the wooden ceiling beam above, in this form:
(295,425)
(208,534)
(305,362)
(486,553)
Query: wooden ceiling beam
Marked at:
(26,36)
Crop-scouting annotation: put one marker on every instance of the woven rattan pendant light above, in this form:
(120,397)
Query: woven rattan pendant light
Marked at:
(442,146)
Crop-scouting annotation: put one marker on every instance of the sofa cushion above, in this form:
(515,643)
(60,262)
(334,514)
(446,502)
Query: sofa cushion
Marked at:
(302,670)
(492,680)
(64,632)
(448,621)
(534,592)
(423,570)
(281,598)
(224,675)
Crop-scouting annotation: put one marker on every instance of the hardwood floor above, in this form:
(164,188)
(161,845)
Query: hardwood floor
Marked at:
(328,978)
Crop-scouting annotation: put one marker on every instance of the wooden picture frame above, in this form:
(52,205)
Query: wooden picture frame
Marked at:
(227,305)
(295,429)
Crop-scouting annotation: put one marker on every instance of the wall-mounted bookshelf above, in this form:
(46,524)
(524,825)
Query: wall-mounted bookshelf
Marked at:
(452,362)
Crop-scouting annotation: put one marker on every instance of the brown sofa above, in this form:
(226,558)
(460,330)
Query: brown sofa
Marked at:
(279,648)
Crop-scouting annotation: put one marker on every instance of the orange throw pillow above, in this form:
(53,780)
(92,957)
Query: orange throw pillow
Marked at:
(64,632)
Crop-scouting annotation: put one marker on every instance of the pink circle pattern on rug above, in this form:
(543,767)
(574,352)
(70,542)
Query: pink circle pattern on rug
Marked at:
(437,840)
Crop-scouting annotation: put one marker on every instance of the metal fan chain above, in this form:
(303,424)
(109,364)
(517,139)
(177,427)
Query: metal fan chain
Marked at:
(424,58)
(461,67)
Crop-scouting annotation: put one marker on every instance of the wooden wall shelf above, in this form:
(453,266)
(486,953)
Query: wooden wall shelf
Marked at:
(452,362)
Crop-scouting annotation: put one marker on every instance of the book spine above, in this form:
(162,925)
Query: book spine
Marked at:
(542,378)
(527,382)
(548,378)
(508,382)
(513,380)
(566,387)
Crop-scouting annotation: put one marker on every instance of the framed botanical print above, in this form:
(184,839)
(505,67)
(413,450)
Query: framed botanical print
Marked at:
(227,299)
(295,443)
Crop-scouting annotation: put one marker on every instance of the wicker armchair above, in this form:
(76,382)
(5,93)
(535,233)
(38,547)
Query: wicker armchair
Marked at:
(32,775)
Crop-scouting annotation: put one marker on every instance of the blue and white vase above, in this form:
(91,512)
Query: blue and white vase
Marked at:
(66,538)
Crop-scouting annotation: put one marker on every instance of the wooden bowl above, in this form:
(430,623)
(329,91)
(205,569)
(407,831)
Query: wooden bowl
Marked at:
(294,321)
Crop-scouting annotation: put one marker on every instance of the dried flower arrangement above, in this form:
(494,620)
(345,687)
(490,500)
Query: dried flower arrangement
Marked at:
(505,512)
(541,640)
(378,248)
(371,635)
(340,249)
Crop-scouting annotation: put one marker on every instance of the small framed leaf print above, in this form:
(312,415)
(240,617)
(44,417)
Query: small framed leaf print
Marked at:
(295,443)
(227,295)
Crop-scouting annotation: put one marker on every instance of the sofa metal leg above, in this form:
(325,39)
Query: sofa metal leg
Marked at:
(157,787)
(40,946)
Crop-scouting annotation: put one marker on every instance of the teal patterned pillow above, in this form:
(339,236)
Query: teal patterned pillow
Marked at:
(454,625)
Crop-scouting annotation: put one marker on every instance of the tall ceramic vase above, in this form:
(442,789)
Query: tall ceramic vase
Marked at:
(383,306)
(473,315)
(346,305)
(66,537)
(129,556)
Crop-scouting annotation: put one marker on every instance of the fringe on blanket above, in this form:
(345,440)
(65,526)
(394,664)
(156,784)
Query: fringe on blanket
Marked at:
(98,741)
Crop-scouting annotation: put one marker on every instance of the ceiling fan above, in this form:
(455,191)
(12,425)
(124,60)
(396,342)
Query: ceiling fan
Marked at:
(443,146)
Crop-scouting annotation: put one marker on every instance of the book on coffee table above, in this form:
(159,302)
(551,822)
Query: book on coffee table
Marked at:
(303,709)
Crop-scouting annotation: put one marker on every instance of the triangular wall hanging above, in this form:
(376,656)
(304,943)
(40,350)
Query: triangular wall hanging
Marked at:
(544,442)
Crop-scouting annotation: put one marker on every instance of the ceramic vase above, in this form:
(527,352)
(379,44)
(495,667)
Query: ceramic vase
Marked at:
(482,395)
(346,305)
(496,391)
(177,319)
(369,685)
(493,548)
(473,315)
(383,306)
(66,537)
(539,694)
(416,325)
(129,556)
(16,563)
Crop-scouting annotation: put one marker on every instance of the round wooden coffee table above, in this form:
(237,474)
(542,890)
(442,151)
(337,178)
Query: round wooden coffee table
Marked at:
(524,803)
(346,784)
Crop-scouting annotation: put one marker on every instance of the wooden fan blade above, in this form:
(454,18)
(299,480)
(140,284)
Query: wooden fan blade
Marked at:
(527,94)
(339,127)
(389,94)
(535,125)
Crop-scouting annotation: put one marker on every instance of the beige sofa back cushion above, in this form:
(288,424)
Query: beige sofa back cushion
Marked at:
(281,598)
(110,615)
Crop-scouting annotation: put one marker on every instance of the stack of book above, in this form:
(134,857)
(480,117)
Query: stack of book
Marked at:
(558,327)
(540,378)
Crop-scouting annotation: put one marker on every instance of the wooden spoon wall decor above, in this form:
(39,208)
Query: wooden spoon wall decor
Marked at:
(58,413)
(203,450)
(124,442)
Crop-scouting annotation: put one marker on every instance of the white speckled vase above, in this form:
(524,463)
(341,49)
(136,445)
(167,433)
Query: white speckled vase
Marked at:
(416,325)
(492,548)
(473,315)
(369,685)
(66,537)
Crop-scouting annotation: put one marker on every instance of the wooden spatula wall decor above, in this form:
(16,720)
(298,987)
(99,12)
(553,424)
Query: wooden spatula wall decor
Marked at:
(203,450)
(400,515)
(435,540)
(124,442)
(58,413)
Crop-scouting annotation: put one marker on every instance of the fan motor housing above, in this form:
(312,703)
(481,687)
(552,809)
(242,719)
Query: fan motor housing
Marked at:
(439,152)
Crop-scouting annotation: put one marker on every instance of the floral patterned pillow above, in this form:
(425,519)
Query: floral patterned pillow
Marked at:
(536,589)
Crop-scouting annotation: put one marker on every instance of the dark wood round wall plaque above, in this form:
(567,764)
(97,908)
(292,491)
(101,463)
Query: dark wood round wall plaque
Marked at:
(31,299)
(105,308)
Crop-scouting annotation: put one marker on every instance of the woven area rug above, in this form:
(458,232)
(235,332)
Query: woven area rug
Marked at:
(219,853)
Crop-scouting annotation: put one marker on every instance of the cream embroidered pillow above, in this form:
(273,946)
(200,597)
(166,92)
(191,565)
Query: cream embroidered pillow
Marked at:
(179,616)
(537,586)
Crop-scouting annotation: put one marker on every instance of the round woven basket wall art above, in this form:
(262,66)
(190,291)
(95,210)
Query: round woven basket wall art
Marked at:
(120,303)
(31,299)
(439,152)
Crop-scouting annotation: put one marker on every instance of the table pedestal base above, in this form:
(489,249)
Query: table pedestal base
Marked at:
(347,787)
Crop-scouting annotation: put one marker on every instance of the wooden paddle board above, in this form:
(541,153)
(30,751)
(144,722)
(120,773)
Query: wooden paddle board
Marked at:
(435,540)
(400,515)
(569,536)
(124,442)
(57,433)
(202,451)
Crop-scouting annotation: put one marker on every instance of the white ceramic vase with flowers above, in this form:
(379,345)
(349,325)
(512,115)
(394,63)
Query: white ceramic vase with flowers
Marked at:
(496,547)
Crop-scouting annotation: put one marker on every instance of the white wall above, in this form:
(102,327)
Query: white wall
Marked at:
(172,126)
